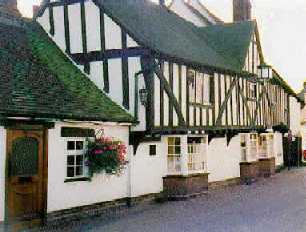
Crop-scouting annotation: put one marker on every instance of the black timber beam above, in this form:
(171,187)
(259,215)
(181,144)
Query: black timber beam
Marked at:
(83,58)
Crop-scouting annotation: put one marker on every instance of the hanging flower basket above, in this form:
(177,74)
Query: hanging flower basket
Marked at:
(106,155)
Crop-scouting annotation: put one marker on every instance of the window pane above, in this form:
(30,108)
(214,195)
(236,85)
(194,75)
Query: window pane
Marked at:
(177,150)
(70,145)
(170,141)
(152,150)
(70,172)
(79,145)
(177,141)
(79,170)
(79,160)
(70,160)
(171,150)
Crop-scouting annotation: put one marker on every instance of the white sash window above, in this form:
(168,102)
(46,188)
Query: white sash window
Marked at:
(75,161)
(197,154)
(249,147)
(174,155)
(265,146)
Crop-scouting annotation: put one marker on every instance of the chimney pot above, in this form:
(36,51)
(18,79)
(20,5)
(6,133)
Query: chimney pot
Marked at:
(9,7)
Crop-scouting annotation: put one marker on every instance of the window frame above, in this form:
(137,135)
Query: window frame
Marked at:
(202,96)
(175,157)
(75,153)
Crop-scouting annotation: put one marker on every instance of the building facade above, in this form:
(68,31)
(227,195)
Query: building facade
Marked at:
(198,103)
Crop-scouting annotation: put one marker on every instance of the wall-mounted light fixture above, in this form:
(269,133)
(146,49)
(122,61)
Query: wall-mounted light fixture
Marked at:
(265,71)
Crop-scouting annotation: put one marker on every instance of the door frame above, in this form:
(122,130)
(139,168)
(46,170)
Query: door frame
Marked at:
(29,126)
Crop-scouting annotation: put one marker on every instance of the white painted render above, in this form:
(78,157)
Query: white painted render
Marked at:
(115,83)
(67,195)
(96,74)
(143,175)
(295,115)
(223,161)
(111,28)
(130,42)
(179,7)
(44,21)
(75,29)
(135,67)
(59,31)
(2,171)
(278,149)
(92,26)
(147,171)
(303,133)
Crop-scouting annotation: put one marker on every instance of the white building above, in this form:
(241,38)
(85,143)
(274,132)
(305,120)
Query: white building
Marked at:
(192,98)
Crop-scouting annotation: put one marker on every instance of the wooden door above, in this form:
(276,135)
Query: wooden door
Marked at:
(25,173)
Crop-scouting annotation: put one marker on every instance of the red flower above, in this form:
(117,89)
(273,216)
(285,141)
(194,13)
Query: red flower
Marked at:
(98,152)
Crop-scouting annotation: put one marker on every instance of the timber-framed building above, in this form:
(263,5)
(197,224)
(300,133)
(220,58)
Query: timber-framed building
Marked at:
(191,95)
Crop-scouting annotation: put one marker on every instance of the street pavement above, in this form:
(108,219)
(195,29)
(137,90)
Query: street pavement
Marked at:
(274,204)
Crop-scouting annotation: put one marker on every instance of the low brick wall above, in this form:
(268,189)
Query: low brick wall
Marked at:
(249,172)
(106,209)
(266,167)
(178,187)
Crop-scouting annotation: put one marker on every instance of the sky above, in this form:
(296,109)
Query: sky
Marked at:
(281,27)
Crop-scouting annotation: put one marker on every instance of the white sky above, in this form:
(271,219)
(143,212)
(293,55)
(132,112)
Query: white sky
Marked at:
(281,27)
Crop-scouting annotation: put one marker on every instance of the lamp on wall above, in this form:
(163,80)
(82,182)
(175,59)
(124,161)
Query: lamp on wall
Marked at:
(143,95)
(264,71)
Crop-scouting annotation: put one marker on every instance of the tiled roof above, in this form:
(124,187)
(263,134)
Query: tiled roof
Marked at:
(163,31)
(38,80)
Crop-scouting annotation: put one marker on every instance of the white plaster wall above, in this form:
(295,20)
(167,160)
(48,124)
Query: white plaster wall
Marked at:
(67,195)
(135,67)
(130,42)
(303,133)
(92,26)
(223,161)
(147,171)
(2,171)
(295,115)
(278,149)
(115,76)
(75,28)
(44,21)
(112,34)
(183,11)
(96,74)
(59,28)
(143,175)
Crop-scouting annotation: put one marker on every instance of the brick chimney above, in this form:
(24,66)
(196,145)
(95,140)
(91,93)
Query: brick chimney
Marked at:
(9,7)
(35,9)
(242,10)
